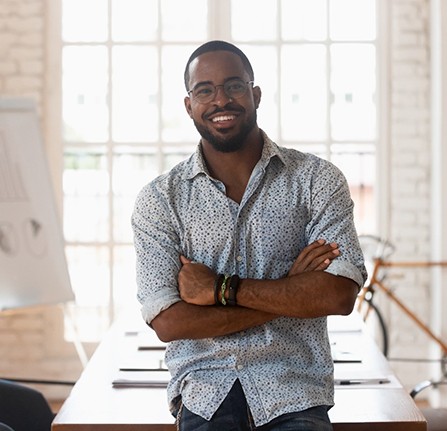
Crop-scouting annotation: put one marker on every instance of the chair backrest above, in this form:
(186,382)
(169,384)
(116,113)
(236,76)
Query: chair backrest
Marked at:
(436,417)
(23,408)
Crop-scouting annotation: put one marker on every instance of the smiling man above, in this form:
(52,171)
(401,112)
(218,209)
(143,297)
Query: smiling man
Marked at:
(242,252)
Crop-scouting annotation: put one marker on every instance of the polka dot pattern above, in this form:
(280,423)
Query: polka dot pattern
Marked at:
(292,199)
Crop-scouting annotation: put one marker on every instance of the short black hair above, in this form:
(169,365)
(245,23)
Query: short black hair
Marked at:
(218,45)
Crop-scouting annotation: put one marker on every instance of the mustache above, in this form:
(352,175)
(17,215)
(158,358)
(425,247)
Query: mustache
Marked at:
(226,108)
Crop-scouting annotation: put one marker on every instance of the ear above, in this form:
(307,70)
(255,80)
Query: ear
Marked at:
(187,102)
(257,93)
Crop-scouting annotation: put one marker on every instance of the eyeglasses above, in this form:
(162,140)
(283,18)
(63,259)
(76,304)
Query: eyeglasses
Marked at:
(233,88)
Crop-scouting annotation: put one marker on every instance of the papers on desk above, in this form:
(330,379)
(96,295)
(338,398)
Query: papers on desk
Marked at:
(344,351)
(142,379)
(343,356)
(142,361)
(381,382)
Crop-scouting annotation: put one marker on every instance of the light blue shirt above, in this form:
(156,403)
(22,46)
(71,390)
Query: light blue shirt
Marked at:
(291,200)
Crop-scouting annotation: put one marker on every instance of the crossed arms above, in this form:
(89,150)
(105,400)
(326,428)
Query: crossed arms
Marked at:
(306,292)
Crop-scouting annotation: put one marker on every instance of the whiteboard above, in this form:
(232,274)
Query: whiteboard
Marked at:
(33,267)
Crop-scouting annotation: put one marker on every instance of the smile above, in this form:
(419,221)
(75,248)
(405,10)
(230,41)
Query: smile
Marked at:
(223,118)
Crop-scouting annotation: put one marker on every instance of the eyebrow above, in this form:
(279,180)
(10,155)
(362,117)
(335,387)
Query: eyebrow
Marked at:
(211,82)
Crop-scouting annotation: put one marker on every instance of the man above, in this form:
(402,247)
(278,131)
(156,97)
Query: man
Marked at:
(242,252)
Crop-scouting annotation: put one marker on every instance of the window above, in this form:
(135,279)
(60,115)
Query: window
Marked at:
(124,120)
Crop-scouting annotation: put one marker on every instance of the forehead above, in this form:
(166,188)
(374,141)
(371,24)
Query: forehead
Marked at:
(216,66)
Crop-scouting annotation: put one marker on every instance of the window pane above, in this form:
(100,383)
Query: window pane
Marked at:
(86,186)
(183,20)
(134,20)
(92,15)
(85,78)
(131,171)
(352,19)
(135,94)
(86,323)
(174,156)
(265,65)
(89,274)
(260,13)
(177,126)
(124,284)
(353,84)
(358,163)
(303,19)
(303,92)
(318,149)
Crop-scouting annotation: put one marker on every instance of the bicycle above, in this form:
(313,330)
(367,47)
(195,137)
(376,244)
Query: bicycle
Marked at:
(377,252)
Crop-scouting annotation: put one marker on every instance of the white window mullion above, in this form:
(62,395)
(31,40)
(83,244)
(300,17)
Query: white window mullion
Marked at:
(219,13)
(159,44)
(382,189)
(109,150)
(330,95)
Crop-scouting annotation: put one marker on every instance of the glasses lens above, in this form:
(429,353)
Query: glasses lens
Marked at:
(235,88)
(204,93)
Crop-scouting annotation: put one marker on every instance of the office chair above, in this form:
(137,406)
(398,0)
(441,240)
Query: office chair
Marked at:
(436,417)
(23,408)
(4,427)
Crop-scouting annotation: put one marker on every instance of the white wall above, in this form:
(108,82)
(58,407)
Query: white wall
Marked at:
(410,179)
(27,68)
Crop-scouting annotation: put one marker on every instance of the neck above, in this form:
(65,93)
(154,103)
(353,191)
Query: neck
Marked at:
(234,169)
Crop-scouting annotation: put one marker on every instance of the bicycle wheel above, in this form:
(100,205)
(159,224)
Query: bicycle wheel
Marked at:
(375,324)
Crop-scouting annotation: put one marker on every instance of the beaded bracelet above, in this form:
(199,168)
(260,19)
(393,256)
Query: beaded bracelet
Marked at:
(223,289)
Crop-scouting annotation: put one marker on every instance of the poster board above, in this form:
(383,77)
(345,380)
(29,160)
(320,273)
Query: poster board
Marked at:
(33,267)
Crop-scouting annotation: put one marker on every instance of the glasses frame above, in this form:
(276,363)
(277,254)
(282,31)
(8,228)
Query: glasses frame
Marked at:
(214,94)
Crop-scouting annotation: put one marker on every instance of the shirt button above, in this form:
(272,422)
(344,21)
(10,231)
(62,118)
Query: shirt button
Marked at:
(239,367)
(239,258)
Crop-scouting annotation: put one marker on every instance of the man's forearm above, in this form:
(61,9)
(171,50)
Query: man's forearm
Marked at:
(306,295)
(187,321)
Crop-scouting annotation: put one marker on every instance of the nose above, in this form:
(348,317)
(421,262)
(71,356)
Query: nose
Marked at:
(221,97)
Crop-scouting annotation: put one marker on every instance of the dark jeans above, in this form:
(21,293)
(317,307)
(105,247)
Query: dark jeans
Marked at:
(234,415)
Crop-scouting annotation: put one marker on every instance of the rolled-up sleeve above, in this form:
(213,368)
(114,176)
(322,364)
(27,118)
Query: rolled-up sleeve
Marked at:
(157,254)
(333,220)
(348,270)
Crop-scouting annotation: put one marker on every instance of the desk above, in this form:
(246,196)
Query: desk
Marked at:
(95,405)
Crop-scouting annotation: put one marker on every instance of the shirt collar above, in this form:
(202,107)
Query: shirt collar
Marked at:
(198,165)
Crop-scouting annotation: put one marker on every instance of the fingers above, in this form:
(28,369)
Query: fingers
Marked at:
(185,260)
(317,252)
(316,256)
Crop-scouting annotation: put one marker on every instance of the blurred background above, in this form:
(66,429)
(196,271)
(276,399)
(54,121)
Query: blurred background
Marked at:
(358,82)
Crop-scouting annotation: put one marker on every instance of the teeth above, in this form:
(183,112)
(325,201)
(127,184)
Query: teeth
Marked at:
(223,118)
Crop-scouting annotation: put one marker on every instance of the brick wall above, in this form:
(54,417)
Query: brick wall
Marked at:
(32,341)
(39,332)
(409,223)
(22,48)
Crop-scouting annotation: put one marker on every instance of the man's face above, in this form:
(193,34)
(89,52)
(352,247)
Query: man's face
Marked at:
(223,122)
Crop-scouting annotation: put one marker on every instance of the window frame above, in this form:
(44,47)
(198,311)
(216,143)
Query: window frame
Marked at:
(219,16)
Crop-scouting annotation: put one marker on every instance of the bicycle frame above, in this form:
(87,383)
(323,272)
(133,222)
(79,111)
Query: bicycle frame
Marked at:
(375,281)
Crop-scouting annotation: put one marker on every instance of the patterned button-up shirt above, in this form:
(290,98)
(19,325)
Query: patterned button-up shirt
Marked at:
(291,200)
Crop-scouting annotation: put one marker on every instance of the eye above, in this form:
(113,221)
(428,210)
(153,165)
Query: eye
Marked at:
(203,91)
(235,86)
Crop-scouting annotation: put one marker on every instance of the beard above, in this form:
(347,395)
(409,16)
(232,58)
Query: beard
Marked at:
(228,144)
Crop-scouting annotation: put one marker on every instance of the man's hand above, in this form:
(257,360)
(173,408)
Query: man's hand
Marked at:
(196,282)
(315,257)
